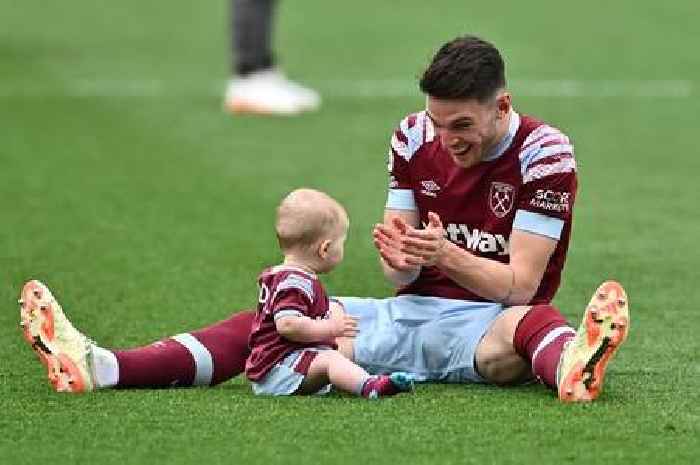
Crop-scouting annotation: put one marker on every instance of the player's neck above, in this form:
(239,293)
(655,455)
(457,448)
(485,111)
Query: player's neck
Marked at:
(504,136)
(299,262)
(503,129)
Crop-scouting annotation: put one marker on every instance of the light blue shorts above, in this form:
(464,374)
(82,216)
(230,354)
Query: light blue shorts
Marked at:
(431,337)
(283,379)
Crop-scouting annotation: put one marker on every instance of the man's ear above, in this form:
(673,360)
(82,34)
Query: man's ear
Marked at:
(323,247)
(504,103)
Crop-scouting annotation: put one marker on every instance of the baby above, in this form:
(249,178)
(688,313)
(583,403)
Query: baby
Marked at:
(293,349)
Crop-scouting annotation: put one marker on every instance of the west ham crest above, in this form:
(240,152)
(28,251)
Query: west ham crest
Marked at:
(501,198)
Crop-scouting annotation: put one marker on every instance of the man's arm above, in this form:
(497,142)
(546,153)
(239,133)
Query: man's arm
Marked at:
(400,207)
(514,283)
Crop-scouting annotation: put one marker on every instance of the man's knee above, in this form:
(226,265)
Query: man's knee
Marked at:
(504,369)
(496,359)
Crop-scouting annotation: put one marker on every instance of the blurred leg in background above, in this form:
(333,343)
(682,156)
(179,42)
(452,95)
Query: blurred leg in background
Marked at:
(258,86)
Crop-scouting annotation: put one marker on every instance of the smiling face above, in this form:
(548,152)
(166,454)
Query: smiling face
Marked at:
(468,129)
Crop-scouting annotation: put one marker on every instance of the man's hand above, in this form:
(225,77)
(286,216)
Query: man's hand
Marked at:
(423,247)
(390,242)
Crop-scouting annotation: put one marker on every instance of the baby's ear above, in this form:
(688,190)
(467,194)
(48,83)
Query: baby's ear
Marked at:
(323,247)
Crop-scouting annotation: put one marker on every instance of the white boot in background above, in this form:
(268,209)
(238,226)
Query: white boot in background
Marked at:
(269,92)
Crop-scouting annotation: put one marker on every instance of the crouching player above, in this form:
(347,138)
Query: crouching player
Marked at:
(293,349)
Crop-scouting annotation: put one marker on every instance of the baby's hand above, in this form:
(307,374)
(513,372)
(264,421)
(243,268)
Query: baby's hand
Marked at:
(344,326)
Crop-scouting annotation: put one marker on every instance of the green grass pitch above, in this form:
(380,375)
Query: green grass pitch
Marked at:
(148,211)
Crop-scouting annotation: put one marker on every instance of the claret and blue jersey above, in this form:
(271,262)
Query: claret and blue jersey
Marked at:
(284,290)
(528,182)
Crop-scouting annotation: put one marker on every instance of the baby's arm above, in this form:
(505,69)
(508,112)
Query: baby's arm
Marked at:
(299,328)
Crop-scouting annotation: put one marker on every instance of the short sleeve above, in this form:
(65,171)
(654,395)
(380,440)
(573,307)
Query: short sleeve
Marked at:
(413,131)
(294,292)
(548,190)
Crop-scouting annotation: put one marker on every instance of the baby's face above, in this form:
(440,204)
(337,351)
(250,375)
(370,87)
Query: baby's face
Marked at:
(336,251)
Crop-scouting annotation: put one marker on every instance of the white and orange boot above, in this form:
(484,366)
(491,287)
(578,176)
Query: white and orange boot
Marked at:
(603,330)
(269,92)
(65,352)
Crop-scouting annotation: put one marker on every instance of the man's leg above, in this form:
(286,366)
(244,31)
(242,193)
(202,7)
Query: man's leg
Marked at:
(75,364)
(205,357)
(537,340)
(251,35)
(433,338)
(496,359)
(257,85)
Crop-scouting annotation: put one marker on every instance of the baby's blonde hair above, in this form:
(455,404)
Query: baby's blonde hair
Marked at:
(306,216)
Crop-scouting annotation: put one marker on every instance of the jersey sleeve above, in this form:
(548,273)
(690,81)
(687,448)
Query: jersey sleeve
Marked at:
(413,131)
(549,185)
(294,295)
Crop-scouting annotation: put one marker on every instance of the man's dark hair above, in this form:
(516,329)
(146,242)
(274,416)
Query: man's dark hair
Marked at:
(464,68)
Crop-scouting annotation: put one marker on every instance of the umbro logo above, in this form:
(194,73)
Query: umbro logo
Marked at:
(429,188)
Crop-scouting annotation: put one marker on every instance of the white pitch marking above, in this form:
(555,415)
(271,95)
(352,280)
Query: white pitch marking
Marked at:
(344,88)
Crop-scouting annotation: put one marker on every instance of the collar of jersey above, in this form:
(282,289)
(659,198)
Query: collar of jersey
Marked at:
(502,146)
